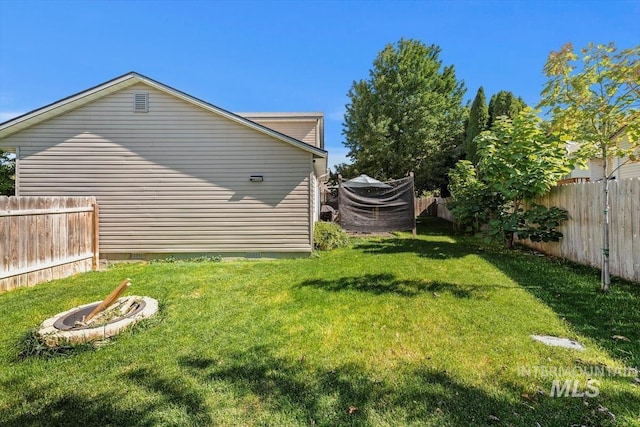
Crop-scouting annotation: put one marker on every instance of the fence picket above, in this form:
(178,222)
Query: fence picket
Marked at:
(45,238)
(583,233)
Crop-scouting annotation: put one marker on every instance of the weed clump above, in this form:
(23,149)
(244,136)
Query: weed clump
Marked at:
(200,259)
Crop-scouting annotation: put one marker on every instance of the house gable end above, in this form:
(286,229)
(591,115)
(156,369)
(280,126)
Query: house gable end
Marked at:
(75,101)
(175,179)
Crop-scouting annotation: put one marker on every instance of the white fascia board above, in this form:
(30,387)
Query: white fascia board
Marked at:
(74,101)
(67,104)
(284,116)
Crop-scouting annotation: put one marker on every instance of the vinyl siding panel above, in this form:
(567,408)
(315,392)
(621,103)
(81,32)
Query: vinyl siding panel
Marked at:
(630,170)
(173,180)
(624,169)
(303,130)
(580,173)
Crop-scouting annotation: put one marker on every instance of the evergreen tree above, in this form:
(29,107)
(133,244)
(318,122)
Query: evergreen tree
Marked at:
(478,121)
(407,116)
(504,103)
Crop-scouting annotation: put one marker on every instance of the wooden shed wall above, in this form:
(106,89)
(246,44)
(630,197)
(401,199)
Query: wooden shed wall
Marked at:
(172,180)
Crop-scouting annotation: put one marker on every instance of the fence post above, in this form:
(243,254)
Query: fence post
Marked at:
(95,264)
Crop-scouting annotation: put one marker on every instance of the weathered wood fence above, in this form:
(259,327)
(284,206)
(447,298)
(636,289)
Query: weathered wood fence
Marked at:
(46,238)
(583,232)
(433,206)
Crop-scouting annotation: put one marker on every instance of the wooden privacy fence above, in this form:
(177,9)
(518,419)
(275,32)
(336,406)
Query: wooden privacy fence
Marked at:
(583,232)
(46,238)
(433,206)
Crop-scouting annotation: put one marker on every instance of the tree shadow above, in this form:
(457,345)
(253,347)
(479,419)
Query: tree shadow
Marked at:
(590,312)
(569,289)
(348,395)
(438,250)
(433,226)
(74,409)
(85,409)
(379,284)
(174,392)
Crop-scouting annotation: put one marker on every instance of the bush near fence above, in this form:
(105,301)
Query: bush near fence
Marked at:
(583,232)
(46,238)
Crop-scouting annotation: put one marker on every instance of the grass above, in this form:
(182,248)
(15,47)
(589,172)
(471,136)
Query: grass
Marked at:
(429,331)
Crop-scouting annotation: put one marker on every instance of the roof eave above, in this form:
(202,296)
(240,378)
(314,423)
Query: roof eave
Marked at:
(233,117)
(74,101)
(66,104)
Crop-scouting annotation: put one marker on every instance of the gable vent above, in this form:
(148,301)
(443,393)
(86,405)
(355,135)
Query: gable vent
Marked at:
(141,102)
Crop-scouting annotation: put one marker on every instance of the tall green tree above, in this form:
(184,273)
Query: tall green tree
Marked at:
(478,121)
(504,103)
(347,171)
(407,116)
(7,174)
(520,160)
(591,97)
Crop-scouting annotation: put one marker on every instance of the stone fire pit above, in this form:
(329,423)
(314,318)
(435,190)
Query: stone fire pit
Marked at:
(69,327)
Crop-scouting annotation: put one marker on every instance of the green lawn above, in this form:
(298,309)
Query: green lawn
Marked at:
(431,331)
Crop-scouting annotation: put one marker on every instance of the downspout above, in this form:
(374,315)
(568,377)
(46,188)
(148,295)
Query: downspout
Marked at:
(310,209)
(319,175)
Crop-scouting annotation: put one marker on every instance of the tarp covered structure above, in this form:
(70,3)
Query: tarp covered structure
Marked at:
(365,181)
(367,205)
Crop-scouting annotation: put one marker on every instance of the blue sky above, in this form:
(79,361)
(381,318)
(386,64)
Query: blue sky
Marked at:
(286,55)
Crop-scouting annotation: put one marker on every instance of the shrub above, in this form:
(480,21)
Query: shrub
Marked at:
(541,223)
(329,235)
(472,203)
(538,224)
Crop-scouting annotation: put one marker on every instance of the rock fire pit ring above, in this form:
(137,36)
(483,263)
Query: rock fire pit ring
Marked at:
(63,328)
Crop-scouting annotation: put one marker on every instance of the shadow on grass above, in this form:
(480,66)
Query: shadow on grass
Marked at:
(348,395)
(74,409)
(426,249)
(379,284)
(173,392)
(432,226)
(86,409)
(433,249)
(572,292)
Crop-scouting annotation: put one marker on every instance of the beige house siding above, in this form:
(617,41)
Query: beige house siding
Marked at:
(580,173)
(172,180)
(305,131)
(630,170)
(306,127)
(627,169)
(624,169)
